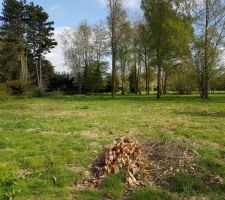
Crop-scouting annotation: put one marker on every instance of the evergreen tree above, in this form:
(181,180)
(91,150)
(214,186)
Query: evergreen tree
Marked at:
(12,34)
(39,36)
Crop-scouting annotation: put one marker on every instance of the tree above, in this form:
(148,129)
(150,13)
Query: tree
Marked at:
(124,53)
(169,33)
(100,41)
(9,63)
(143,46)
(116,19)
(85,49)
(209,40)
(39,36)
(12,34)
(182,78)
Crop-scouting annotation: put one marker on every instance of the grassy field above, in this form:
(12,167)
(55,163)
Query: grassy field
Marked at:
(59,136)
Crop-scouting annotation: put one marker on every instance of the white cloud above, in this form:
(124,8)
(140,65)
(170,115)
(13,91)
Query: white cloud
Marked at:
(131,4)
(102,2)
(55,8)
(56,55)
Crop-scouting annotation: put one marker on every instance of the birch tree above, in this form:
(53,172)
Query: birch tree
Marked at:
(209,40)
(169,33)
(116,19)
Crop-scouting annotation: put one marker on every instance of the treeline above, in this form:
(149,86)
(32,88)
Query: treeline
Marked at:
(178,45)
(25,37)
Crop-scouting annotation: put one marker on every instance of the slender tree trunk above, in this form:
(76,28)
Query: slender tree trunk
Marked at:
(138,79)
(37,73)
(159,87)
(22,64)
(40,72)
(165,80)
(113,72)
(159,81)
(147,73)
(124,78)
(135,75)
(26,66)
(79,83)
(205,92)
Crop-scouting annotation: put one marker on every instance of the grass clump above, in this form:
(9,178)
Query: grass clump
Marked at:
(89,194)
(114,186)
(8,186)
(186,184)
(151,193)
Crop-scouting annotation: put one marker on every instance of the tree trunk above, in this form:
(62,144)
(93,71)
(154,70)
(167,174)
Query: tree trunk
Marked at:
(205,92)
(135,75)
(147,74)
(113,73)
(26,67)
(37,73)
(165,80)
(123,77)
(22,63)
(159,82)
(138,79)
(40,72)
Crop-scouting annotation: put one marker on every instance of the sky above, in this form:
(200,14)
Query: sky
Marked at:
(70,13)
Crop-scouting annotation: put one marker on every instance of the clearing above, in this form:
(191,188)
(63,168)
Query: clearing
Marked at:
(48,144)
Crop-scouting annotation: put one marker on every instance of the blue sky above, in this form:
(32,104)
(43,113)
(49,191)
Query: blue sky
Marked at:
(68,13)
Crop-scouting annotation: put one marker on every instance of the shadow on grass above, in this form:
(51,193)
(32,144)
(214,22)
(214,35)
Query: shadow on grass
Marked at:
(218,98)
(201,113)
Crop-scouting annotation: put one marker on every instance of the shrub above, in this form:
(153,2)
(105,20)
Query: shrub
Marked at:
(62,82)
(37,92)
(16,87)
(4,92)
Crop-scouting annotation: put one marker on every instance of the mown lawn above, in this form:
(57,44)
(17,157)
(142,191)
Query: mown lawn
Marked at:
(47,144)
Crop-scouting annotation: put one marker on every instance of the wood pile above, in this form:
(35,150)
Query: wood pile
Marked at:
(125,155)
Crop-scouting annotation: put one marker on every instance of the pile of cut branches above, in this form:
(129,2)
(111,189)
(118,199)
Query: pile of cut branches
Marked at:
(125,155)
(172,157)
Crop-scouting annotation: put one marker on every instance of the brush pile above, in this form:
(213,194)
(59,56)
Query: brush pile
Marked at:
(125,155)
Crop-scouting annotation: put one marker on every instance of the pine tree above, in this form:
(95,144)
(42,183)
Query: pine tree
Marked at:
(12,34)
(39,36)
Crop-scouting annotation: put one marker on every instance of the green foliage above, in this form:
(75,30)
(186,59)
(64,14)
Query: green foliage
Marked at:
(62,82)
(93,77)
(133,80)
(169,33)
(37,92)
(108,84)
(16,87)
(183,79)
(4,92)
(26,34)
(9,65)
